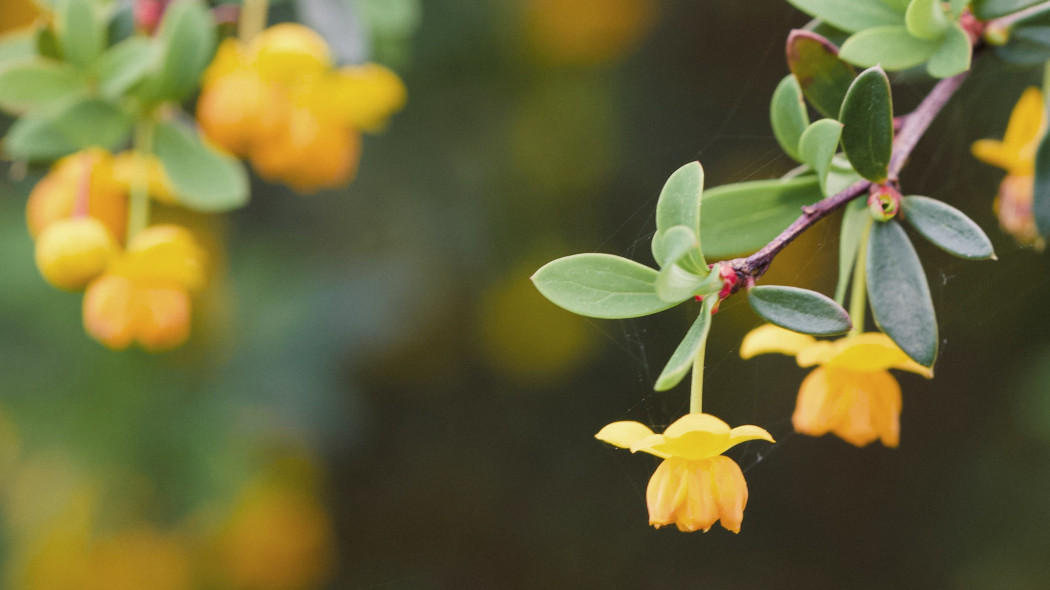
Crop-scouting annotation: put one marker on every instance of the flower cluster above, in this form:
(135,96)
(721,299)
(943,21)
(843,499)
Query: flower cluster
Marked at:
(137,287)
(1016,154)
(851,392)
(278,101)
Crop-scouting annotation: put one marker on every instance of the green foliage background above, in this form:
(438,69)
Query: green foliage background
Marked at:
(363,323)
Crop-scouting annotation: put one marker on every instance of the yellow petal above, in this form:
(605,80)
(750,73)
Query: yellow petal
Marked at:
(816,354)
(769,338)
(649,445)
(696,422)
(730,491)
(1025,120)
(748,432)
(814,410)
(623,434)
(873,351)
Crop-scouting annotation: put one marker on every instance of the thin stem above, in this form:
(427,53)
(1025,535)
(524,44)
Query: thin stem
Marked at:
(696,384)
(912,129)
(138,203)
(1009,19)
(858,297)
(253,19)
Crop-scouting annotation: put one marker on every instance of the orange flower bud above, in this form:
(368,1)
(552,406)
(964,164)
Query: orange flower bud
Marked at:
(289,53)
(55,196)
(310,154)
(240,110)
(365,96)
(71,252)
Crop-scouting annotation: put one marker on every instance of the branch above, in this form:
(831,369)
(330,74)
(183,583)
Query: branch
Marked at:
(913,127)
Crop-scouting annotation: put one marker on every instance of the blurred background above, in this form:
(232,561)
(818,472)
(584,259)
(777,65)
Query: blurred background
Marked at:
(374,395)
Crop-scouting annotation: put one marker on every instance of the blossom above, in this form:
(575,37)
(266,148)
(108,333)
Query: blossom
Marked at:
(82,180)
(851,392)
(695,485)
(144,294)
(71,252)
(1016,154)
(279,102)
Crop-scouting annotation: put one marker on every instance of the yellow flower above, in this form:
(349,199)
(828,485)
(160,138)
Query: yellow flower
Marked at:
(695,486)
(144,295)
(851,392)
(70,252)
(1016,152)
(1013,206)
(83,178)
(129,165)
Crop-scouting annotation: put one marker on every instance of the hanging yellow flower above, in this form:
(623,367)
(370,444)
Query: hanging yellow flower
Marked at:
(695,486)
(851,392)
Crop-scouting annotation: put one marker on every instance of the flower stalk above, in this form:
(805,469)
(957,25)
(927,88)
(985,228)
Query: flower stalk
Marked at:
(138,203)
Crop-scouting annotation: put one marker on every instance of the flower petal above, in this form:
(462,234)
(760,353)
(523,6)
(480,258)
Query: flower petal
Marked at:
(768,338)
(623,434)
(748,432)
(813,411)
(816,354)
(1026,120)
(730,491)
(654,444)
(696,423)
(872,351)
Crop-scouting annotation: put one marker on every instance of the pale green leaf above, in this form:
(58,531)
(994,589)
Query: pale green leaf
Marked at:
(855,222)
(953,56)
(601,286)
(817,147)
(38,83)
(891,47)
(742,217)
(853,15)
(681,361)
(679,205)
(927,19)
(204,178)
(788,116)
(81,33)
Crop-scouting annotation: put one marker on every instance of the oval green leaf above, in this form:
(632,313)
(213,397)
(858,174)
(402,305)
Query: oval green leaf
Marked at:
(34,138)
(204,178)
(679,205)
(742,217)
(601,286)
(988,9)
(855,221)
(823,77)
(953,56)
(867,116)
(187,39)
(890,47)
(899,294)
(81,33)
(1041,196)
(124,65)
(817,147)
(799,310)
(852,15)
(947,228)
(38,84)
(93,122)
(788,116)
(681,361)
(926,19)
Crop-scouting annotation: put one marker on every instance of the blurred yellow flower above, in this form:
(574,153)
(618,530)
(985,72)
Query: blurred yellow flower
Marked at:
(1013,206)
(17,14)
(70,252)
(278,102)
(144,295)
(851,392)
(1016,152)
(130,166)
(695,486)
(588,31)
(82,182)
(138,558)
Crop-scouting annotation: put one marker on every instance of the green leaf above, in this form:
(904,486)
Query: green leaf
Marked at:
(1041,196)
(35,138)
(898,292)
(601,286)
(953,56)
(187,39)
(841,175)
(47,43)
(852,15)
(17,46)
(867,116)
(891,47)
(742,217)
(93,122)
(124,65)
(679,205)
(987,9)
(1028,46)
(682,360)
(204,178)
(799,310)
(823,77)
(675,283)
(676,243)
(818,145)
(855,221)
(38,84)
(927,19)
(81,34)
(947,228)
(788,116)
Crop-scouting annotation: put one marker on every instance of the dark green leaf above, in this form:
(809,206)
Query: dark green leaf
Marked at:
(892,48)
(204,178)
(898,292)
(81,34)
(47,43)
(927,19)
(799,310)
(682,360)
(601,286)
(947,228)
(788,116)
(818,145)
(187,39)
(987,9)
(38,84)
(679,205)
(743,217)
(124,65)
(867,116)
(1028,46)
(953,56)
(852,15)
(1041,197)
(855,221)
(823,77)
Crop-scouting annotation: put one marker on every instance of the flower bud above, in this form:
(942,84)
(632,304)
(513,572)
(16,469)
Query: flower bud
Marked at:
(56,195)
(71,252)
(884,202)
(290,52)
